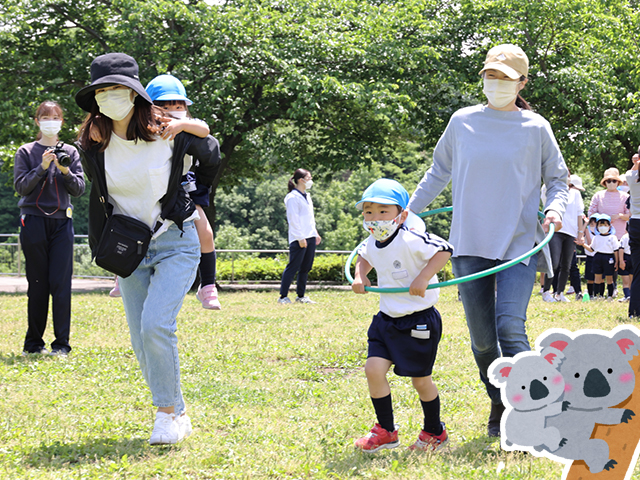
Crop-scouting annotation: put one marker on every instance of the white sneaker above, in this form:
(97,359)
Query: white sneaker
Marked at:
(548,297)
(184,425)
(561,298)
(166,430)
(570,291)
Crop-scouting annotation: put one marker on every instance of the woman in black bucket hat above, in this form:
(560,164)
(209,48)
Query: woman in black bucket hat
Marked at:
(137,174)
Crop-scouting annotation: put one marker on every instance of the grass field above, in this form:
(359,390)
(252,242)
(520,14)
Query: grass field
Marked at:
(273,391)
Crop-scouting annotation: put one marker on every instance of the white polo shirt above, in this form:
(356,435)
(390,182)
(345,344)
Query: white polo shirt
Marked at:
(605,243)
(398,262)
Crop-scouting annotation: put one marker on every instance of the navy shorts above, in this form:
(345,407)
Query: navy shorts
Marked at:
(604,264)
(588,268)
(200,195)
(403,341)
(628,266)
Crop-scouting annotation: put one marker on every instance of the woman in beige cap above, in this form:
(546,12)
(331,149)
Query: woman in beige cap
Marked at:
(612,201)
(495,155)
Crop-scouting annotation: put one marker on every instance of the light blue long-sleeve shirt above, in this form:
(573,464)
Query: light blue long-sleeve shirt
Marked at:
(497,162)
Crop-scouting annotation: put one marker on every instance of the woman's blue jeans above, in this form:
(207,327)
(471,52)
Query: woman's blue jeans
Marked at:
(152,297)
(496,322)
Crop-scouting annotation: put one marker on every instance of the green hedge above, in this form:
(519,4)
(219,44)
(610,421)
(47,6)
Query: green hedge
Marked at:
(326,268)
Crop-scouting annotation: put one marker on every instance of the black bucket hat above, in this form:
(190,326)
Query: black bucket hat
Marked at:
(108,70)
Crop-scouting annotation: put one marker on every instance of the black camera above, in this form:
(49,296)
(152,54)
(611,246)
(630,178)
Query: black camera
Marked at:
(63,157)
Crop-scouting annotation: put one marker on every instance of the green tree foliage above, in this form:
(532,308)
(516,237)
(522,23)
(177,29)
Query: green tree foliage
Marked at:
(332,84)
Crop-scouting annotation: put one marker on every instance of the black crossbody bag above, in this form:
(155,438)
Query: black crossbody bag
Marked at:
(123,244)
(124,241)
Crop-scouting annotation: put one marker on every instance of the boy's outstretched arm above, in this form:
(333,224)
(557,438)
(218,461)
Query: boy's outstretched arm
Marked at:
(421,282)
(360,279)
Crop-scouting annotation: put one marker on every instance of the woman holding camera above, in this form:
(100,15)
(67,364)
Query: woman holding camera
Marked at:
(137,173)
(45,174)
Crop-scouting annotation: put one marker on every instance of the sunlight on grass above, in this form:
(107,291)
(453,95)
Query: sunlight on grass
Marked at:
(273,391)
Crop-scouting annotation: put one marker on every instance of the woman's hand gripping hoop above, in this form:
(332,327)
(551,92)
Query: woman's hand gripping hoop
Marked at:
(455,281)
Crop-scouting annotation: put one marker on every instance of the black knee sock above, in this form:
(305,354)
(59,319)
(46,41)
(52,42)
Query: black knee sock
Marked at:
(208,268)
(384,412)
(610,289)
(590,289)
(432,416)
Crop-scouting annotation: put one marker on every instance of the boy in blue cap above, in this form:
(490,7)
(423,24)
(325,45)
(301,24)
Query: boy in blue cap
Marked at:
(407,329)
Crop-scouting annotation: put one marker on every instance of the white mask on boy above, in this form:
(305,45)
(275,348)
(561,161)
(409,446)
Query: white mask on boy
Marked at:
(179,114)
(382,230)
(603,229)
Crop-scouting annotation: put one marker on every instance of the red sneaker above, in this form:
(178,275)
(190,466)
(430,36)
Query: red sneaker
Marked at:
(428,442)
(377,439)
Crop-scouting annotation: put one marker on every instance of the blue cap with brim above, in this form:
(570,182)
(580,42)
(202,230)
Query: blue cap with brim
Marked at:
(385,192)
(166,88)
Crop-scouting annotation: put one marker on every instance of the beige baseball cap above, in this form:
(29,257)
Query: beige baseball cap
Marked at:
(509,59)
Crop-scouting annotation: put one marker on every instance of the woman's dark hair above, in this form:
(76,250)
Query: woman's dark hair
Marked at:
(144,125)
(521,102)
(48,107)
(299,173)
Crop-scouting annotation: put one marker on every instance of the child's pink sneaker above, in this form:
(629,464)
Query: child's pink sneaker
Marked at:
(115,291)
(428,442)
(377,439)
(208,296)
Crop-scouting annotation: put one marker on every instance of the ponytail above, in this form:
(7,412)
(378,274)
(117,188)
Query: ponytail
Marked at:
(293,181)
(522,103)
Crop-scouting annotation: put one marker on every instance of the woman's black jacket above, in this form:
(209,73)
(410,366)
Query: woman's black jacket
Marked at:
(176,204)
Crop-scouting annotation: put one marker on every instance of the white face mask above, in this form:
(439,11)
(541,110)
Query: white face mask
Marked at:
(50,128)
(115,104)
(308,184)
(603,229)
(500,93)
(382,229)
(179,114)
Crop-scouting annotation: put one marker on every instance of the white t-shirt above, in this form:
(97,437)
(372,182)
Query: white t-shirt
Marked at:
(575,209)
(624,244)
(137,176)
(605,243)
(398,262)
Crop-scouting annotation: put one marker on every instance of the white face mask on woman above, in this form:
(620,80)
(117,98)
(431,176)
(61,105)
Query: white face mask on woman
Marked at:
(308,185)
(500,93)
(50,128)
(115,104)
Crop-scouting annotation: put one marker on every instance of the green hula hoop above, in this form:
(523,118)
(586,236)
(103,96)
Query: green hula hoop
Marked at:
(455,281)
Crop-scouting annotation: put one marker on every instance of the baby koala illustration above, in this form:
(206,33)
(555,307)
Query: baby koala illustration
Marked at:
(597,378)
(532,390)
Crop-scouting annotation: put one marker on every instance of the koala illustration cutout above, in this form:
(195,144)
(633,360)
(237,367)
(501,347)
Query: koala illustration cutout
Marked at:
(599,379)
(532,390)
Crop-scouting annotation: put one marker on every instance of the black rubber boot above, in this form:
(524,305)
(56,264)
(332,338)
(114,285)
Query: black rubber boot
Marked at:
(494,419)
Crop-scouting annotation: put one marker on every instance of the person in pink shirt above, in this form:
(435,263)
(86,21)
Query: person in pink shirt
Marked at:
(611,201)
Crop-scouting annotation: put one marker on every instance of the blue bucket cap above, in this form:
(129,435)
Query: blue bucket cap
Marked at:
(594,216)
(604,216)
(166,88)
(385,192)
